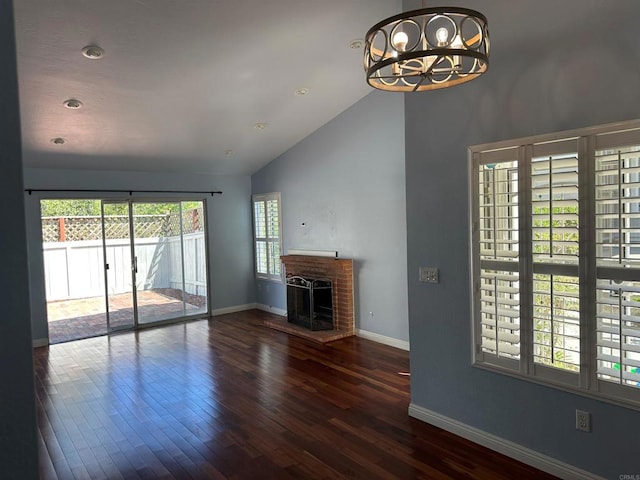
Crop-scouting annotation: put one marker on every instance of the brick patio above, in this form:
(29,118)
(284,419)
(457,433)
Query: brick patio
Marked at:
(86,317)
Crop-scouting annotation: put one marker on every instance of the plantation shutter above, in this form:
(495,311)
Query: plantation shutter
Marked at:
(555,257)
(260,228)
(273,236)
(617,200)
(496,236)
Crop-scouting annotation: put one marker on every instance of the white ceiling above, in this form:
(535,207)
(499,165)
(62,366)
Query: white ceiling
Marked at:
(183,81)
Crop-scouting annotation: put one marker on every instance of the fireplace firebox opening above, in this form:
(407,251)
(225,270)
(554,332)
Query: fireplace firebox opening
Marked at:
(310,302)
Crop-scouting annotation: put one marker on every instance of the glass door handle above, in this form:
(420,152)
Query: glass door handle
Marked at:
(134,265)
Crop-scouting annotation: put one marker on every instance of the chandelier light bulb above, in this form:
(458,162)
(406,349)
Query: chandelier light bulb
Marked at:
(442,35)
(400,40)
(457,59)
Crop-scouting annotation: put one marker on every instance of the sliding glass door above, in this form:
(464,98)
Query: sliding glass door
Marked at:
(72,251)
(118,265)
(169,260)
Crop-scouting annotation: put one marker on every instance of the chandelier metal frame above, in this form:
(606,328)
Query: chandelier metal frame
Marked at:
(427,49)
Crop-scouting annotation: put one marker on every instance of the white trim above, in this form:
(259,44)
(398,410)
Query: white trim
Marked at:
(500,445)
(550,137)
(270,309)
(234,309)
(249,306)
(375,337)
(40,342)
(313,253)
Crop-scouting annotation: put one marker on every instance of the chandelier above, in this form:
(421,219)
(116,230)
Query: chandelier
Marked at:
(427,49)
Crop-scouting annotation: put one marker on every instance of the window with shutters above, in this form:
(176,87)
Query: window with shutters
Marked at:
(267,228)
(555,252)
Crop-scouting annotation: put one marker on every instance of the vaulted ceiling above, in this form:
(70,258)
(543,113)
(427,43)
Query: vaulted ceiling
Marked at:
(183,83)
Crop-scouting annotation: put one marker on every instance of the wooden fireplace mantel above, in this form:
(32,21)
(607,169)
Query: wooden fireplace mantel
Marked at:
(340,272)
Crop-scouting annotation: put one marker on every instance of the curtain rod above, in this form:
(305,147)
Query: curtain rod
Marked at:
(130,192)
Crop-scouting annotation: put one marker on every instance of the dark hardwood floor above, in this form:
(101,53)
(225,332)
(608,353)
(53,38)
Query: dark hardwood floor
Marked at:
(230,398)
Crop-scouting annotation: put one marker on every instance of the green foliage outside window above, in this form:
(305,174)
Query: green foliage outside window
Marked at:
(82,208)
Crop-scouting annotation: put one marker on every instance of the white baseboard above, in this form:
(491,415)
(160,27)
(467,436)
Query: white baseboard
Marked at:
(392,342)
(510,449)
(234,309)
(40,342)
(270,309)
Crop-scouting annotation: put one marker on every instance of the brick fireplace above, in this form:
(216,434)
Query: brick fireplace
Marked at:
(340,272)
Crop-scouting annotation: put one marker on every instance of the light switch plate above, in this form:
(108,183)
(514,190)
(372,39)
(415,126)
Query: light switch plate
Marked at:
(429,275)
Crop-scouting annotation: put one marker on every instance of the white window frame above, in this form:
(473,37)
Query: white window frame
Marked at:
(585,142)
(274,270)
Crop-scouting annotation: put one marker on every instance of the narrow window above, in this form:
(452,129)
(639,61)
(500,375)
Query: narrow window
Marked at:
(267,227)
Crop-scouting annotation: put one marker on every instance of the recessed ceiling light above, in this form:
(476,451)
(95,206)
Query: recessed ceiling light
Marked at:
(93,52)
(260,126)
(73,104)
(58,141)
(301,92)
(356,44)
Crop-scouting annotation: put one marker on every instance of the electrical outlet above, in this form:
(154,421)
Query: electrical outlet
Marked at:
(583,421)
(429,275)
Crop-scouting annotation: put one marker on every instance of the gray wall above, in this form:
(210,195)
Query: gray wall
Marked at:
(591,78)
(18,446)
(228,217)
(346,183)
